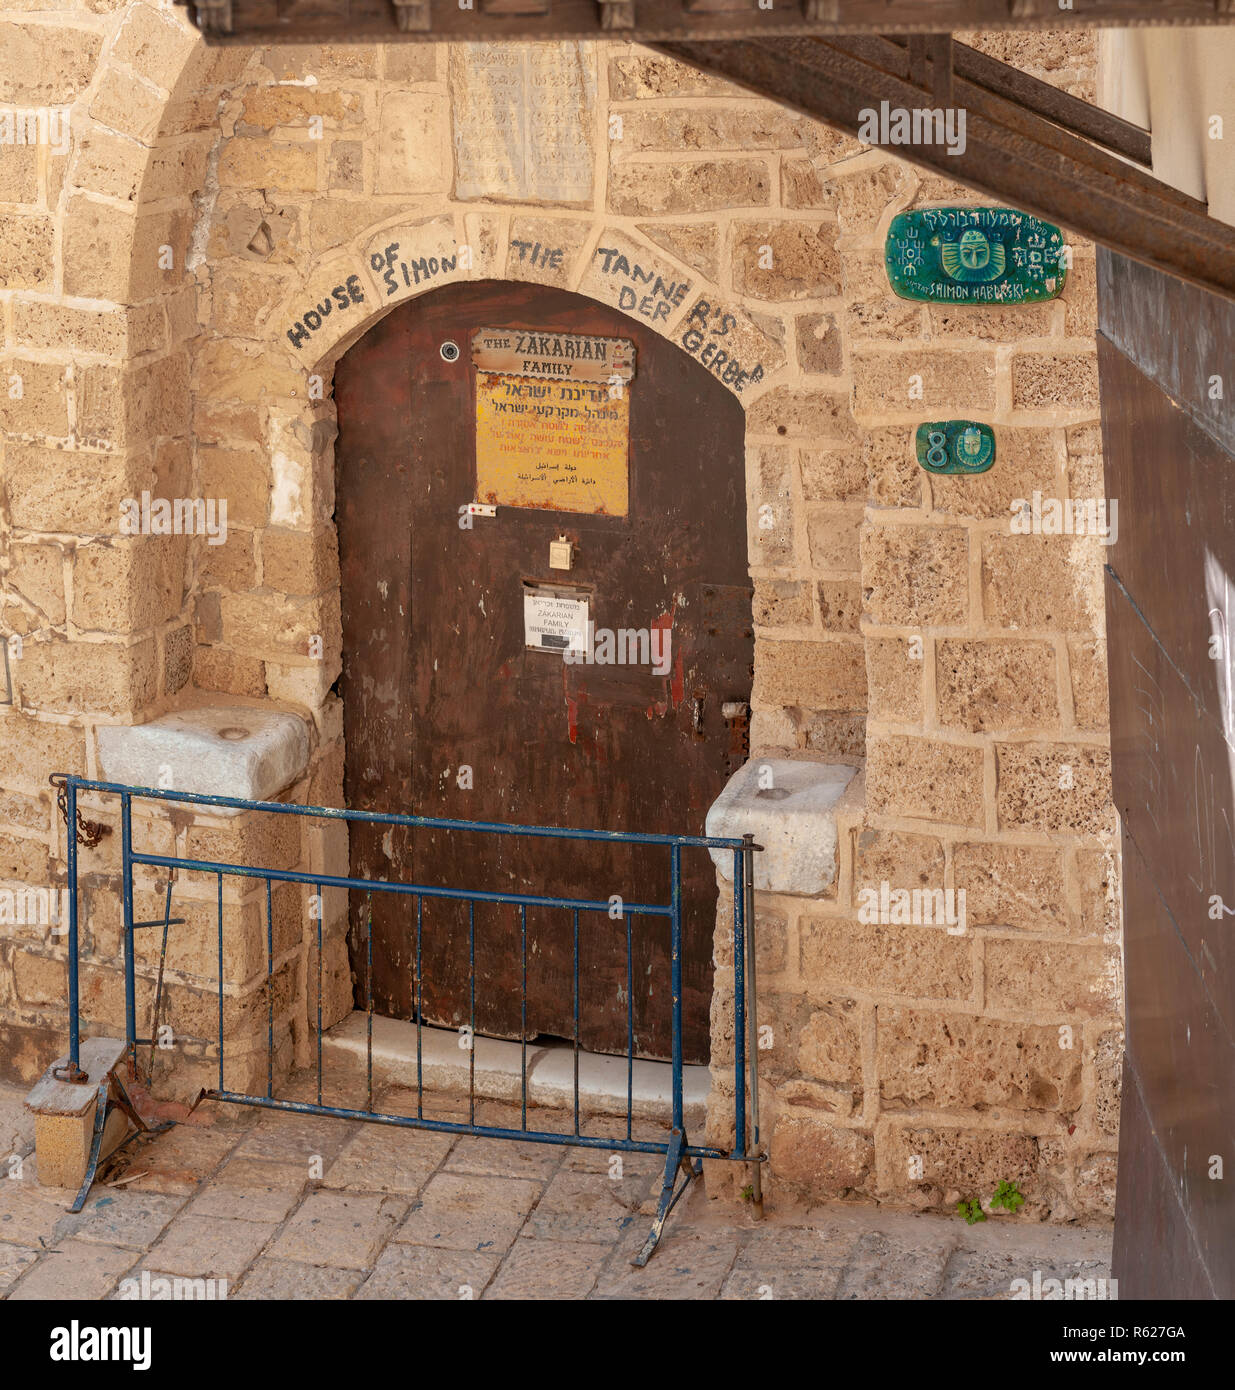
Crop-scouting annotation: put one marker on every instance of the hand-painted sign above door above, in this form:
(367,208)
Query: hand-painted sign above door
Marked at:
(974,256)
(564,356)
(955,446)
(553,420)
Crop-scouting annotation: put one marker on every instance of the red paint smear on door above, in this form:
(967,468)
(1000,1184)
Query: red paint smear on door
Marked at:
(677,682)
(572,705)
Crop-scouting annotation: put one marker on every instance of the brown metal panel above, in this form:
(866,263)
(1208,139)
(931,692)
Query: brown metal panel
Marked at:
(608,747)
(1134,313)
(1155,1255)
(1172,762)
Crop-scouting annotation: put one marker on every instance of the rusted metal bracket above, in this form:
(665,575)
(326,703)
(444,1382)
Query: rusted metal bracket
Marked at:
(1011,152)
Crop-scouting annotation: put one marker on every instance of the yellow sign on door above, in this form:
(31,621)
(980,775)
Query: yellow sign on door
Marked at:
(557,445)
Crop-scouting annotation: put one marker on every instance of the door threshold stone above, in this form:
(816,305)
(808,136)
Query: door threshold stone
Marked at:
(602,1079)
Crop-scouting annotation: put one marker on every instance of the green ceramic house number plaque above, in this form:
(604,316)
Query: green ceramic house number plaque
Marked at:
(974,256)
(955,446)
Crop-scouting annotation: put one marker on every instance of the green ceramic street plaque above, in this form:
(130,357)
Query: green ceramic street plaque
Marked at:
(974,256)
(955,446)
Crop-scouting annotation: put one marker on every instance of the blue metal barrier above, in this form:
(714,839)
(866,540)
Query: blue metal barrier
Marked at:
(679,1153)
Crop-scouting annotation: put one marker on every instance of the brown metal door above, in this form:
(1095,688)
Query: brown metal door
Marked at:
(437,679)
(1169,446)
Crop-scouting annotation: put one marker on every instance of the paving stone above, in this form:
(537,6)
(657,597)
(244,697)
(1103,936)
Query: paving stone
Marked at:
(462,1211)
(587,1207)
(291,1138)
(287,1279)
(509,1158)
(988,1274)
(544,1269)
(339,1228)
(688,1264)
(174,1162)
(266,1203)
(133,1220)
(601,1161)
(14,1259)
(886,1267)
(381,1158)
(27,1215)
(16,1125)
(782,1283)
(242,1171)
(424,1272)
(162,1286)
(790,1263)
(75,1270)
(210,1247)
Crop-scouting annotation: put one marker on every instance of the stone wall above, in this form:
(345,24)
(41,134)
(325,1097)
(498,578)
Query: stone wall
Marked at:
(177,287)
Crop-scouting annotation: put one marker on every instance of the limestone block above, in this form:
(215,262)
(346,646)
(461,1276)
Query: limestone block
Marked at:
(786,260)
(413,257)
(1012,886)
(1043,582)
(413,152)
(1055,381)
(813,675)
(923,778)
(1054,787)
(652,190)
(992,684)
(216,750)
(920,380)
(64,1114)
(840,606)
(692,243)
(543,249)
(790,808)
(916,575)
(811,415)
(637,281)
(894,679)
(954,1061)
(824,1160)
(914,962)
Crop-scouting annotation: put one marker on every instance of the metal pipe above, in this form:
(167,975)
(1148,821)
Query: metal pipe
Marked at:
(130,968)
(285,808)
(75,1072)
(675,870)
(752,1021)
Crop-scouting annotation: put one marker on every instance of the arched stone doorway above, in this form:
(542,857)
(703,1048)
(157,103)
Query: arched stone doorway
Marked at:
(581,658)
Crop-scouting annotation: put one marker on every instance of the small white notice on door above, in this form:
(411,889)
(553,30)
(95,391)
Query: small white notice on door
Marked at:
(554,620)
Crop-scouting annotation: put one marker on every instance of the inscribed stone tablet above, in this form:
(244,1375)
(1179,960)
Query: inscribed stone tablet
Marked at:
(522,119)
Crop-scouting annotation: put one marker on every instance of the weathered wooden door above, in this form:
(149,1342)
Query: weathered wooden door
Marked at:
(449,712)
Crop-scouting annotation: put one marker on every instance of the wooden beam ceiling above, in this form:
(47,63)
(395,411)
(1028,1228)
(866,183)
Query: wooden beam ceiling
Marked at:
(342,21)
(1012,151)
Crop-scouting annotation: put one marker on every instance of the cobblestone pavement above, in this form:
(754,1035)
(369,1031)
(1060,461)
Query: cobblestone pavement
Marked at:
(289,1206)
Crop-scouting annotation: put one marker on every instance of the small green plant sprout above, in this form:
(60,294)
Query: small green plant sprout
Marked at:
(971,1211)
(1009,1197)
(748,1192)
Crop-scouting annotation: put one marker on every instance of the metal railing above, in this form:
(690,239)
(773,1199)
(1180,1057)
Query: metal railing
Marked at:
(681,1156)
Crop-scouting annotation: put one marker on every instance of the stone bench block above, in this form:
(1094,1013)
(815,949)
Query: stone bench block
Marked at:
(789,806)
(214,750)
